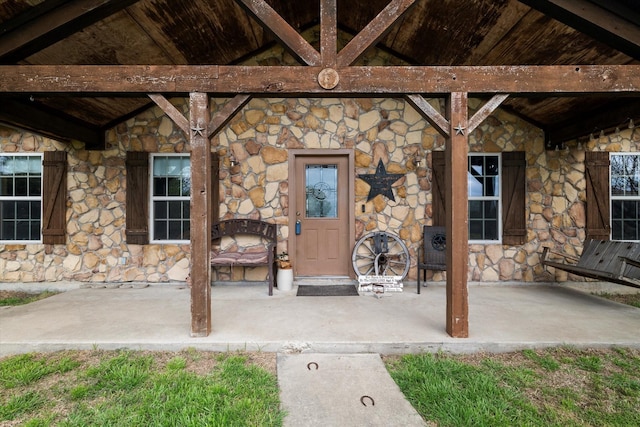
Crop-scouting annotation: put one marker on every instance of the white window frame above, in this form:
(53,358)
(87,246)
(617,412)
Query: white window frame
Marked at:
(27,197)
(623,197)
(152,216)
(497,198)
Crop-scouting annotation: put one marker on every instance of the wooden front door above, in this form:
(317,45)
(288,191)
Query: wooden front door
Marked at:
(322,207)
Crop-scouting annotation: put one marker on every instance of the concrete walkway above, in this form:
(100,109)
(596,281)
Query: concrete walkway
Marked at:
(341,336)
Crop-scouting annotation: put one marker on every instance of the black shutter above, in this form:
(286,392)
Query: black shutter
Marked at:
(438,188)
(597,204)
(54,197)
(514,227)
(137,228)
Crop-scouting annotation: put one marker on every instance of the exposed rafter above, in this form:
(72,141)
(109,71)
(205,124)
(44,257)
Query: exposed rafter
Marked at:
(49,22)
(604,24)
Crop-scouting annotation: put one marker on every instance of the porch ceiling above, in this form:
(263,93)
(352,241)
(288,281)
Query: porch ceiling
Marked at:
(434,32)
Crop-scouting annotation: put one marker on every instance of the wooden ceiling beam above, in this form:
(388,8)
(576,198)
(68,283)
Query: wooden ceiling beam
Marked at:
(284,32)
(374,31)
(170,110)
(125,80)
(50,123)
(51,22)
(600,23)
(486,110)
(328,32)
(226,113)
(430,114)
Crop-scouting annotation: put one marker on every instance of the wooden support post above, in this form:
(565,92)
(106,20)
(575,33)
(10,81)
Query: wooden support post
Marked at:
(457,148)
(201,194)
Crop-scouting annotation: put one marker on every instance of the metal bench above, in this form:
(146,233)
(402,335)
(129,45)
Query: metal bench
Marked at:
(262,253)
(611,261)
(432,255)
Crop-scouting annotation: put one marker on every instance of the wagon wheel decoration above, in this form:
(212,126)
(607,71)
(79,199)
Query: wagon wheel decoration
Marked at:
(381,254)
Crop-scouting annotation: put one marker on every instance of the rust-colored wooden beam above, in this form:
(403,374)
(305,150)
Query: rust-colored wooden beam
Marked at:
(328,32)
(430,114)
(171,111)
(457,150)
(227,112)
(201,195)
(486,110)
(374,31)
(284,32)
(555,80)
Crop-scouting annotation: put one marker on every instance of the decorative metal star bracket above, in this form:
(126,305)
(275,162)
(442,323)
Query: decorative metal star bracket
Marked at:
(380,182)
(197,129)
(459,129)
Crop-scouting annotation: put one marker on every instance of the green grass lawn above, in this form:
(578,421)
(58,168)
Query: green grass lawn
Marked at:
(554,387)
(127,388)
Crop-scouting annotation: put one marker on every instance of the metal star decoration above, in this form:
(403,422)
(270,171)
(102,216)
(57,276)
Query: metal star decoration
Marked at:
(380,182)
(459,129)
(197,129)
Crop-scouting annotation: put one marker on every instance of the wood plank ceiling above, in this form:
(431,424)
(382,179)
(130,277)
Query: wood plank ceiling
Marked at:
(435,32)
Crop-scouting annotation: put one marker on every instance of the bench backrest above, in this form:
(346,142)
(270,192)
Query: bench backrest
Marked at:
(604,255)
(232,227)
(435,244)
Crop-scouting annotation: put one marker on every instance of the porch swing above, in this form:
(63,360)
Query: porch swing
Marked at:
(610,261)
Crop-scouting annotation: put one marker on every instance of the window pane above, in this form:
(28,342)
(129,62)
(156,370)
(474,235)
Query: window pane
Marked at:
(8,230)
(6,186)
(475,230)
(475,209)
(491,209)
(35,211)
(159,186)
(20,187)
(174,187)
(491,230)
(35,184)
(160,230)
(475,185)
(160,210)
(491,186)
(175,230)
(175,210)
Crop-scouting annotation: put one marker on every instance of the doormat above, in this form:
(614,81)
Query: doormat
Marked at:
(327,291)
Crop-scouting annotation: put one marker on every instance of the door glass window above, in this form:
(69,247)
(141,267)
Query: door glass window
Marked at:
(321,191)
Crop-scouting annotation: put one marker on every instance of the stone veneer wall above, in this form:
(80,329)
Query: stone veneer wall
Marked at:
(259,137)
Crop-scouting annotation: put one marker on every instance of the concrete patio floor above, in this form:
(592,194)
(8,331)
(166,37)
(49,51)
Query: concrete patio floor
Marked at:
(501,318)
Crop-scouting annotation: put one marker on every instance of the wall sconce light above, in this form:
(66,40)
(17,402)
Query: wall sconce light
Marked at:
(416,160)
(232,160)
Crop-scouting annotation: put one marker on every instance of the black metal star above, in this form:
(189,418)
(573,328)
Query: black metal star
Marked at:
(380,182)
